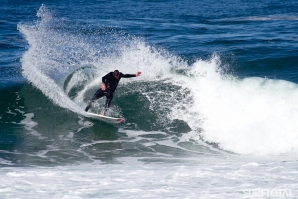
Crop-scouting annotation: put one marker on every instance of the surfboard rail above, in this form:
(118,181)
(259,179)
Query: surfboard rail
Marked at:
(111,120)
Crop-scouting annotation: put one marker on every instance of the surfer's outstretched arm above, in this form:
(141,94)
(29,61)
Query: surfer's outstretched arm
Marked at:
(130,75)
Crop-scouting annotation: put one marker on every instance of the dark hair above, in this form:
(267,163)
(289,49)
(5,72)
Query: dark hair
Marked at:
(116,72)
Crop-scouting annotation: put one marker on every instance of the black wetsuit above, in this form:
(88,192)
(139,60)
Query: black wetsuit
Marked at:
(111,84)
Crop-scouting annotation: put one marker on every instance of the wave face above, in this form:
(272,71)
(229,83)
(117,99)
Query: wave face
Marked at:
(202,102)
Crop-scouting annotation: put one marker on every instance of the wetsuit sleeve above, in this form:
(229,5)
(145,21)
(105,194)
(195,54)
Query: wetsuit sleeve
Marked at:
(127,75)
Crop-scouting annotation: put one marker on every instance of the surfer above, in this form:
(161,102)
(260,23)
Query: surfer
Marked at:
(109,84)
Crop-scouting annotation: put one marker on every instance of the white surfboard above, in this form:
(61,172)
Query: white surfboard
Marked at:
(112,120)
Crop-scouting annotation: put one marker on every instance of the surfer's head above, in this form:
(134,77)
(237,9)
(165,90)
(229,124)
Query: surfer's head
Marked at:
(116,74)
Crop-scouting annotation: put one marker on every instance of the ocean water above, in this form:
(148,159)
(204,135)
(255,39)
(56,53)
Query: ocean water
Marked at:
(213,115)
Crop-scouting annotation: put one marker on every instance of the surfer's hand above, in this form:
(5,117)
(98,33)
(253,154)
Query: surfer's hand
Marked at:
(138,74)
(103,86)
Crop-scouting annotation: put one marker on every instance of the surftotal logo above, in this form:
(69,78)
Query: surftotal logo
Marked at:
(269,193)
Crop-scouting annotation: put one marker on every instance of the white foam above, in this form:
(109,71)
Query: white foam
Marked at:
(5,162)
(134,134)
(84,124)
(248,116)
(70,135)
(134,179)
(30,124)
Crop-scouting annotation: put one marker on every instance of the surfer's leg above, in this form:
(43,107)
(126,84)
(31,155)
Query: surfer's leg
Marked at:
(108,102)
(96,96)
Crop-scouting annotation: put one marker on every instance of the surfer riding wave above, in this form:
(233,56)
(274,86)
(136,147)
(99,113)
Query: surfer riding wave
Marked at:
(109,84)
